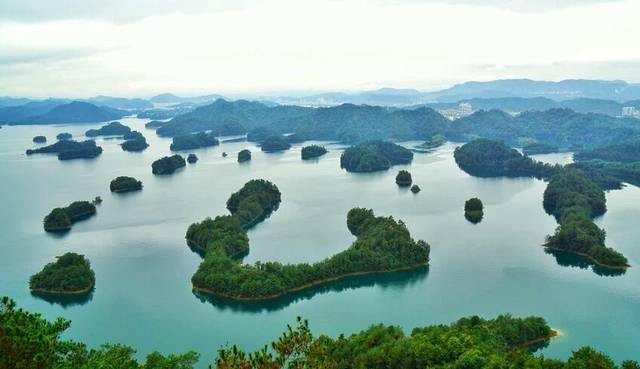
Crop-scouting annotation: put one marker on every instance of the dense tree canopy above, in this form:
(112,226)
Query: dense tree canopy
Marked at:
(244,155)
(64,136)
(539,148)
(111,129)
(167,164)
(194,141)
(312,151)
(70,273)
(68,149)
(374,156)
(39,139)
(192,158)
(223,234)
(474,210)
(255,201)
(403,178)
(626,152)
(61,219)
(125,184)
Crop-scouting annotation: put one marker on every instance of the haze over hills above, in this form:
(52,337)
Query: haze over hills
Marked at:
(74,112)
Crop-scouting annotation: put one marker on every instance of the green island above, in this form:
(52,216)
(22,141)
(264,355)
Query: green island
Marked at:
(62,219)
(69,274)
(134,141)
(64,136)
(432,143)
(194,141)
(39,139)
(31,341)
(244,155)
(610,173)
(254,202)
(415,188)
(68,149)
(374,156)
(167,164)
(275,143)
(111,129)
(192,158)
(403,178)
(312,151)
(474,210)
(539,148)
(574,199)
(125,184)
(155,124)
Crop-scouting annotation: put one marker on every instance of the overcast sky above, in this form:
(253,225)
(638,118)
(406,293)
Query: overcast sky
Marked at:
(79,48)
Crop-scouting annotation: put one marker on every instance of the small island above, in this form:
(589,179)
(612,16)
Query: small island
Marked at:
(539,148)
(39,139)
(473,210)
(64,136)
(111,129)
(374,156)
(415,188)
(134,142)
(403,179)
(194,141)
(312,151)
(274,144)
(70,274)
(433,143)
(68,149)
(62,219)
(125,184)
(192,158)
(244,155)
(167,164)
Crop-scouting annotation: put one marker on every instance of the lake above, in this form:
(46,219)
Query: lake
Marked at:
(143,266)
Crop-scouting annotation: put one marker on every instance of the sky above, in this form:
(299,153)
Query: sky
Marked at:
(139,48)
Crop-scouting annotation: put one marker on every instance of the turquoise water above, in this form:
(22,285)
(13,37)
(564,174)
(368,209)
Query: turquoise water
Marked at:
(143,267)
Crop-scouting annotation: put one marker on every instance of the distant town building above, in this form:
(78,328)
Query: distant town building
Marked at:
(629,111)
(463,109)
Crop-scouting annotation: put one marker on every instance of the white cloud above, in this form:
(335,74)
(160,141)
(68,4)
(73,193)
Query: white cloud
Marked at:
(286,44)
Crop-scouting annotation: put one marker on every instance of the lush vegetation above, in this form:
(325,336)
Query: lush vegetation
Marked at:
(487,158)
(255,201)
(64,136)
(125,184)
(192,158)
(415,188)
(135,145)
(167,164)
(382,244)
(609,174)
(574,199)
(373,156)
(61,219)
(403,178)
(626,152)
(194,141)
(70,273)
(28,341)
(39,139)
(67,149)
(111,129)
(539,148)
(474,210)
(312,151)
(154,124)
(244,155)
(224,234)
(275,143)
(432,143)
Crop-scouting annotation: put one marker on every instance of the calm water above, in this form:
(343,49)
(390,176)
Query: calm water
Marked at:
(143,267)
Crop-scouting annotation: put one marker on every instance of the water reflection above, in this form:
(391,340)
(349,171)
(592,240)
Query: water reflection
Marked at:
(569,259)
(64,300)
(395,280)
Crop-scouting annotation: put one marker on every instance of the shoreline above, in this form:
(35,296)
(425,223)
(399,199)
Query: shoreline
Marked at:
(307,285)
(596,262)
(59,292)
(554,333)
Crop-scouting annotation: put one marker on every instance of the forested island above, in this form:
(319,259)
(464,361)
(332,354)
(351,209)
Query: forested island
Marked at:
(39,139)
(68,149)
(374,156)
(167,164)
(539,148)
(125,184)
(69,274)
(403,178)
(432,143)
(194,141)
(244,155)
(111,129)
(192,158)
(62,219)
(474,210)
(64,136)
(575,200)
(275,143)
(312,151)
(154,124)
(134,141)
(254,202)
(415,188)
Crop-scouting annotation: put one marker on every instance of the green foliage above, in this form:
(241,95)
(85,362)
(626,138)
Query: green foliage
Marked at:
(64,136)
(28,341)
(415,188)
(69,273)
(432,143)
(403,178)
(194,141)
(260,134)
(167,164)
(125,184)
(487,158)
(374,156)
(134,141)
(244,155)
(223,234)
(626,152)
(61,219)
(474,210)
(312,151)
(68,149)
(275,143)
(255,201)
(111,129)
(192,158)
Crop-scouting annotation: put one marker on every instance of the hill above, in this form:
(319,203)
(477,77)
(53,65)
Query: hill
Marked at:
(74,112)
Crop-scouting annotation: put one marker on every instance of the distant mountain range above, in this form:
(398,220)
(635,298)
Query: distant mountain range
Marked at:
(73,112)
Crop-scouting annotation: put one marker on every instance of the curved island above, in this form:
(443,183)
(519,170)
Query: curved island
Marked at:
(374,156)
(68,149)
(167,164)
(125,184)
(62,219)
(70,274)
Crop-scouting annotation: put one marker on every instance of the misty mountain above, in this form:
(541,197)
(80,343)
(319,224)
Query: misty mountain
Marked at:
(169,98)
(120,102)
(74,112)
